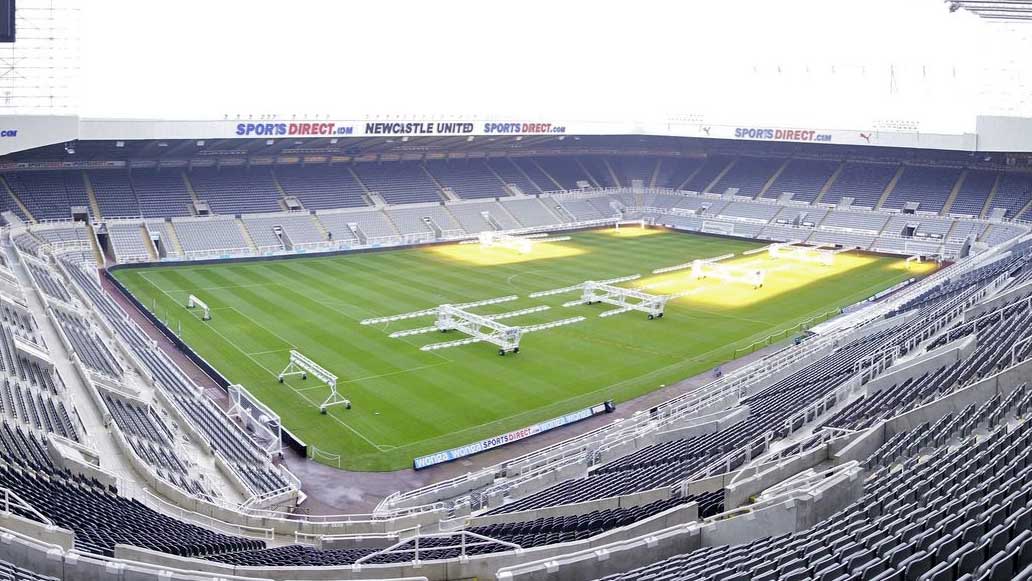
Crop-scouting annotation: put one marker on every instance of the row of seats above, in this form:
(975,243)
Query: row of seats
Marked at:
(153,442)
(9,572)
(961,512)
(165,192)
(224,436)
(101,518)
(965,283)
(93,352)
(18,367)
(49,195)
(298,228)
(19,446)
(998,334)
(527,534)
(212,234)
(775,411)
(35,409)
(223,234)
(46,282)
(237,190)
(127,242)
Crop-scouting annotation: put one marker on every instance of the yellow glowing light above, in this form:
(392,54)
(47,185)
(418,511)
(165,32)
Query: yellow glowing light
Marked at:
(492,256)
(782,275)
(917,268)
(631,231)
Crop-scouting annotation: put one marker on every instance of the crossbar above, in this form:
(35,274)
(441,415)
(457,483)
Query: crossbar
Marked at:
(192,301)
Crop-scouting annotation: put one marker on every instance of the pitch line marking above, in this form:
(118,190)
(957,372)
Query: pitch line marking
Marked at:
(270,351)
(553,405)
(274,374)
(264,328)
(397,372)
(306,388)
(216,288)
(315,404)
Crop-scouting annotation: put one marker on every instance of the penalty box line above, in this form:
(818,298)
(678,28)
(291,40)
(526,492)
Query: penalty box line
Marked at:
(301,393)
(276,376)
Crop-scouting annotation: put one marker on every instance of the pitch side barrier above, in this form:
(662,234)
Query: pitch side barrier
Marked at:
(510,437)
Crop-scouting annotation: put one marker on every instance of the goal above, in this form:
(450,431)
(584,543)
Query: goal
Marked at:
(194,302)
(728,273)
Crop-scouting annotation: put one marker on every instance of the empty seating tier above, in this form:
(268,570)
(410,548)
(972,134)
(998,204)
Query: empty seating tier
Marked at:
(236,190)
(469,179)
(161,192)
(864,182)
(748,175)
(928,186)
(322,187)
(803,178)
(403,182)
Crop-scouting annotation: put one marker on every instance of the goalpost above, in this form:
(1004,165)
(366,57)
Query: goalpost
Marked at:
(817,254)
(522,243)
(301,365)
(193,301)
(257,418)
(728,273)
(640,223)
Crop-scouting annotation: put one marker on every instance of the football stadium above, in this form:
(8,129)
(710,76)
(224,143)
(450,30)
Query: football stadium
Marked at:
(766,318)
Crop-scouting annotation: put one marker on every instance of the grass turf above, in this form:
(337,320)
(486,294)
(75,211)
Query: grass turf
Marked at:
(409,402)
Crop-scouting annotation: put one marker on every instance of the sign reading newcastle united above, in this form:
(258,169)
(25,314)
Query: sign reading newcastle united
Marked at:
(418,128)
(514,436)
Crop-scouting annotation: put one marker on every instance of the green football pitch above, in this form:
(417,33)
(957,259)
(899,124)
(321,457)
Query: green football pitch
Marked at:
(409,402)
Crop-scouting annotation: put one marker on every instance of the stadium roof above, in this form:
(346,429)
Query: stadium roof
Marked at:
(998,10)
(417,138)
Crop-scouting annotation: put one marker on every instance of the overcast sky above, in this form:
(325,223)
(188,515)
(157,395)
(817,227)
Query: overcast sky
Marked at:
(808,62)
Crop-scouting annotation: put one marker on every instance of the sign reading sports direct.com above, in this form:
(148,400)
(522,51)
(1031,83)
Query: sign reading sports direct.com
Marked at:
(400,128)
(293,129)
